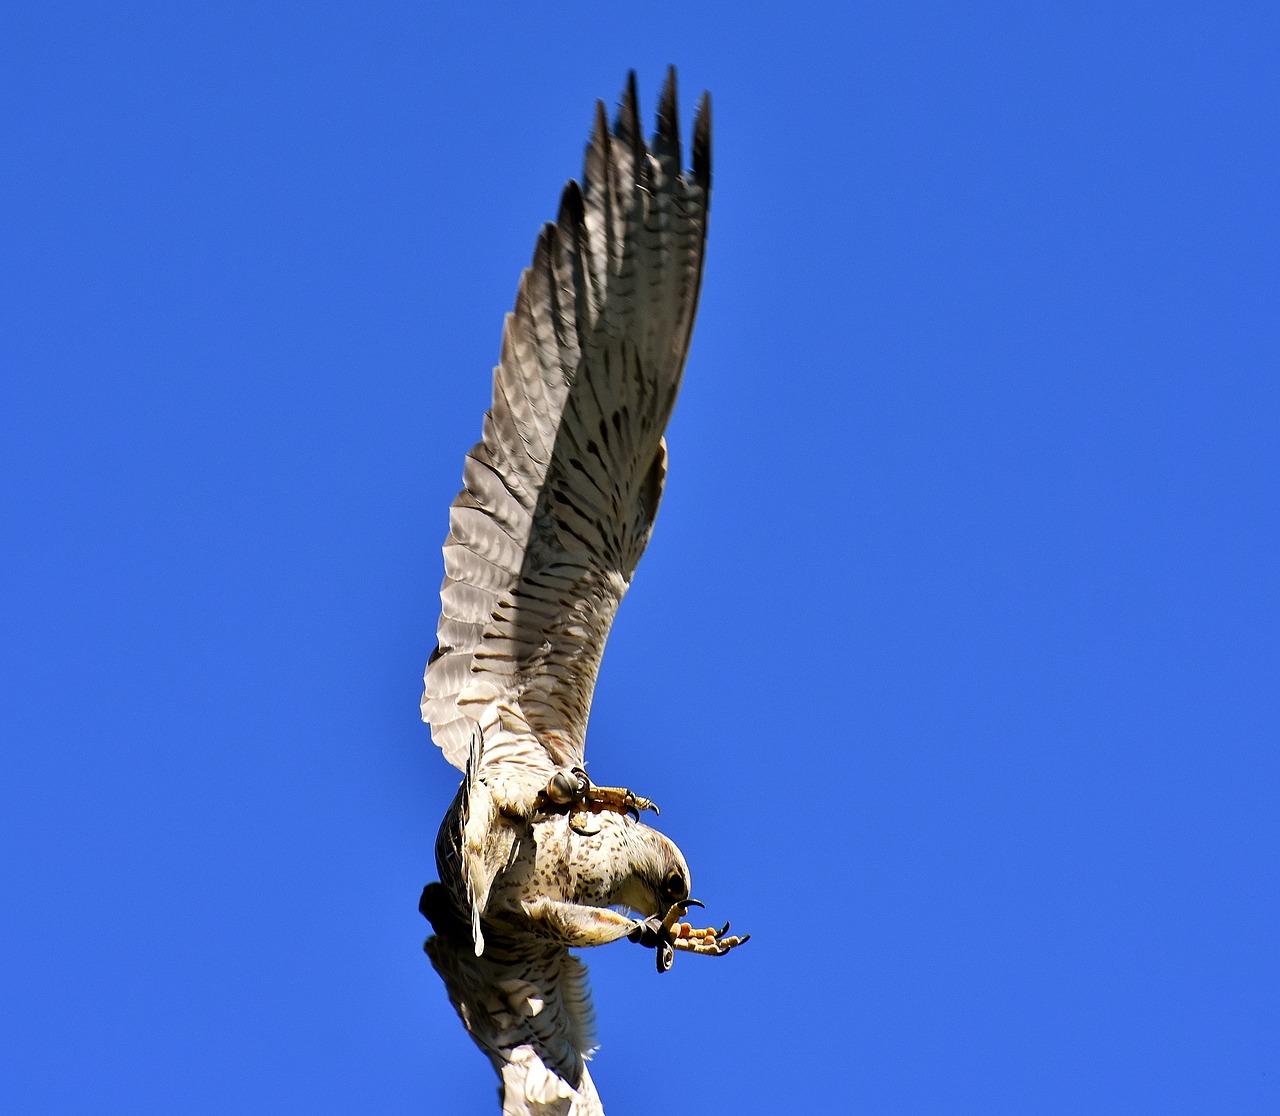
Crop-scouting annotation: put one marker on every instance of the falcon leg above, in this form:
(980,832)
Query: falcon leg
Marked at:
(573,923)
(572,791)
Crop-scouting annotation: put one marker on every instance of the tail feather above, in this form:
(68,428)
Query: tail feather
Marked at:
(527,1005)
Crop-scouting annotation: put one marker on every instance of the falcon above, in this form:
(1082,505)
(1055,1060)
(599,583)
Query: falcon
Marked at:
(558,502)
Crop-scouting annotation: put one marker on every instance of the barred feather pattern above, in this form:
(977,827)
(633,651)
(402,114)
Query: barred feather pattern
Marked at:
(561,491)
(527,1005)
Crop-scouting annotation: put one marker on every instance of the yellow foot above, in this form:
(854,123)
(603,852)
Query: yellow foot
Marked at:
(714,942)
(666,935)
(618,799)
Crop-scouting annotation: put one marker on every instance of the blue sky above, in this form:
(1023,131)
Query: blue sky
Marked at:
(953,662)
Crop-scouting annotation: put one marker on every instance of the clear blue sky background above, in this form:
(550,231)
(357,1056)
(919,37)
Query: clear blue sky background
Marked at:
(953,663)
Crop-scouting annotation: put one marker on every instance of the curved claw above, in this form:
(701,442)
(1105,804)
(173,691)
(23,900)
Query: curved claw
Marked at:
(668,934)
(678,910)
(633,808)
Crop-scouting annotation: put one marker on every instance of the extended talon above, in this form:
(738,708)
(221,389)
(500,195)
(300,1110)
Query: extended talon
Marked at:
(667,934)
(709,942)
(618,799)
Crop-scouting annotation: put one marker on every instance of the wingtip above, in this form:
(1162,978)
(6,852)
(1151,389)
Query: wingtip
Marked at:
(571,207)
(627,124)
(666,140)
(544,248)
(668,113)
(702,142)
(596,159)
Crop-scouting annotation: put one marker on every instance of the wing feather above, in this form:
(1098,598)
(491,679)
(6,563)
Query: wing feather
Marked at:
(560,493)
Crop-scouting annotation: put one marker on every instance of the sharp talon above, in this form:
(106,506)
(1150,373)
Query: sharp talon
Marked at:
(693,903)
(744,938)
(722,931)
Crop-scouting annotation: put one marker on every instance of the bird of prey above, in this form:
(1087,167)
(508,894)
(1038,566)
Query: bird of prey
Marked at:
(558,502)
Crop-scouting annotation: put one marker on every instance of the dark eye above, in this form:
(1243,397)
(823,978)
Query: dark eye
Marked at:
(674,883)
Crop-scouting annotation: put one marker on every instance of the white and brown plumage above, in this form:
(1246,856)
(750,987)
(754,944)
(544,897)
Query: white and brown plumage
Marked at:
(559,501)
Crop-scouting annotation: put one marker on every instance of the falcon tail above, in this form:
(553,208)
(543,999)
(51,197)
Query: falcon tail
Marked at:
(527,1006)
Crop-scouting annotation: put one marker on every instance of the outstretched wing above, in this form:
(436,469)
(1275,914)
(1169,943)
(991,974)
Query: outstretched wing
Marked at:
(527,1006)
(560,494)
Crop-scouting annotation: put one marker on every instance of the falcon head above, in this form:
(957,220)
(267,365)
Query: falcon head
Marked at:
(653,876)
